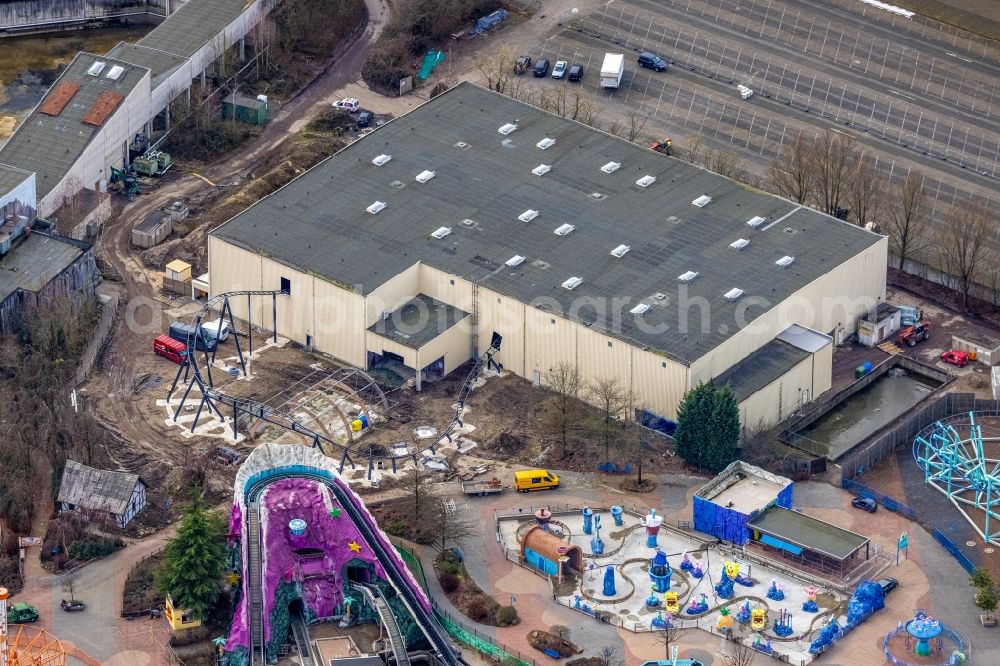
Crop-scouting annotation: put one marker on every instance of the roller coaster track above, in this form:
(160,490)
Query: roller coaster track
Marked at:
(440,643)
(195,375)
(388,621)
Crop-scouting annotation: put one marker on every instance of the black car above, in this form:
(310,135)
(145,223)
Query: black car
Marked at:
(365,119)
(575,73)
(864,504)
(541,67)
(888,585)
(652,61)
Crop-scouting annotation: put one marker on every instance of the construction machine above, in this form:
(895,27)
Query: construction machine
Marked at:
(666,146)
(911,335)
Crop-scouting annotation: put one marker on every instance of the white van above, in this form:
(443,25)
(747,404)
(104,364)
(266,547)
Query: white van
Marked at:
(212,330)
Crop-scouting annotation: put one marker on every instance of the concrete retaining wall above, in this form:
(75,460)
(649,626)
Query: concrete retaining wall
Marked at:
(32,16)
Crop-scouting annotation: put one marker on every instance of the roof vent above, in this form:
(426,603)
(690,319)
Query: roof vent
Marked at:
(461,145)
(620,251)
(734,294)
(507,128)
(611,167)
(739,244)
(646,181)
(515,261)
(376,207)
(687,276)
(528,215)
(441,232)
(572,283)
(541,169)
(381,159)
(785,261)
(642,308)
(468,223)
(564,230)
(424,176)
(702,201)
(545,143)
(115,73)
(757,222)
(660,296)
(96,68)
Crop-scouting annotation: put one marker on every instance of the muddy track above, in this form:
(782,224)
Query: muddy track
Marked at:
(118,411)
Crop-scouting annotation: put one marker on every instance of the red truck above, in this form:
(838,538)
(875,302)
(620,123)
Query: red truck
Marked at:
(167,347)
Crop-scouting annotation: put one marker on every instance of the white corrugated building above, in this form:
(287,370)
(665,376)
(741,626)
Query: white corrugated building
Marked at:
(476,215)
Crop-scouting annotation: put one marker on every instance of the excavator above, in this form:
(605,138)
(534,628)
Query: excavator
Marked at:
(666,146)
(128,180)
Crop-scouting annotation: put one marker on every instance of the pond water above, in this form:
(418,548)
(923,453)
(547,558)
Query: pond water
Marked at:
(887,398)
(30,64)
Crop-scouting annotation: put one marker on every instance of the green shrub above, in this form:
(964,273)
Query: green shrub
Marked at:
(447,566)
(506,616)
(91,550)
(981,578)
(986,599)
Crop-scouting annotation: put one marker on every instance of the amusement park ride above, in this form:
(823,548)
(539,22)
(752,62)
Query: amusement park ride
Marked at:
(29,646)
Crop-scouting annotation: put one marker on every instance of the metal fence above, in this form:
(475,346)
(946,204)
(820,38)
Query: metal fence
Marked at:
(955,551)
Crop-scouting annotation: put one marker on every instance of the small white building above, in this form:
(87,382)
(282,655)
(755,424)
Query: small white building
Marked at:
(117,495)
(985,347)
(878,324)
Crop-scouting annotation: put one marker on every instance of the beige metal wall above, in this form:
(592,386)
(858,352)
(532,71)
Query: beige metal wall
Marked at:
(381,344)
(835,300)
(822,371)
(778,399)
(455,345)
(389,296)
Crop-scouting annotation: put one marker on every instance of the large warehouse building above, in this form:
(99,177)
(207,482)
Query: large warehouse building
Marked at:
(476,215)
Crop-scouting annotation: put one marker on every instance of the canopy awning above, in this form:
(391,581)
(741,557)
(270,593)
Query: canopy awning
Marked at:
(778,543)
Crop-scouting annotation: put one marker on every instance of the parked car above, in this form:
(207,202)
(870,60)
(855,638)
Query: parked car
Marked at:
(541,67)
(888,585)
(575,73)
(184,333)
(955,357)
(217,328)
(349,104)
(865,504)
(535,479)
(167,347)
(652,61)
(559,71)
(20,612)
(365,118)
(522,64)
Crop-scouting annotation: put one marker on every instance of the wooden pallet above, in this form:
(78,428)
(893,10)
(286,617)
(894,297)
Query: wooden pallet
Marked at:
(890,348)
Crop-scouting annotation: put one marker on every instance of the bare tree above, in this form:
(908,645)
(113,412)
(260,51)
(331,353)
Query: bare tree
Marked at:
(615,127)
(418,493)
(609,655)
(611,400)
(725,163)
(791,171)
(963,244)
(634,124)
(739,654)
(692,150)
(446,525)
(907,220)
(668,636)
(496,68)
(832,154)
(565,382)
(864,196)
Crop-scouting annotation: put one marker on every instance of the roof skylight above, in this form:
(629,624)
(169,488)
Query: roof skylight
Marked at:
(424,176)
(785,261)
(687,276)
(739,243)
(757,222)
(507,128)
(545,143)
(381,159)
(441,232)
(96,68)
(642,308)
(620,251)
(528,215)
(376,207)
(572,283)
(564,230)
(702,201)
(115,72)
(541,169)
(611,167)
(515,261)
(646,181)
(734,294)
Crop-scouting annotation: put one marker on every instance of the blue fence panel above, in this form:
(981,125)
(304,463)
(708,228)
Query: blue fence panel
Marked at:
(955,551)
(890,503)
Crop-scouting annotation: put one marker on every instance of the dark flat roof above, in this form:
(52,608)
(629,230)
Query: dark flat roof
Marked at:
(977,338)
(760,368)
(318,223)
(35,260)
(50,145)
(159,62)
(418,321)
(808,532)
(192,25)
(11,177)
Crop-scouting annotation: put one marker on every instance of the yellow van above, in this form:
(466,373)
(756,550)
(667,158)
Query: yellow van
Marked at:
(535,479)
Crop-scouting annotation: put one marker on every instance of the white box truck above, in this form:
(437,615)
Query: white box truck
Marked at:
(612,70)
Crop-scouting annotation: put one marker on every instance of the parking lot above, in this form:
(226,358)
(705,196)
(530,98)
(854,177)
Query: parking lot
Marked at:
(914,96)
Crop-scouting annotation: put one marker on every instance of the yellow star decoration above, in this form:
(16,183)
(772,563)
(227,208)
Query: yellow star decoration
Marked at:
(354,546)
(232,579)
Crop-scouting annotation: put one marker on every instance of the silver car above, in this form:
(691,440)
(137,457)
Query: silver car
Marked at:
(559,71)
